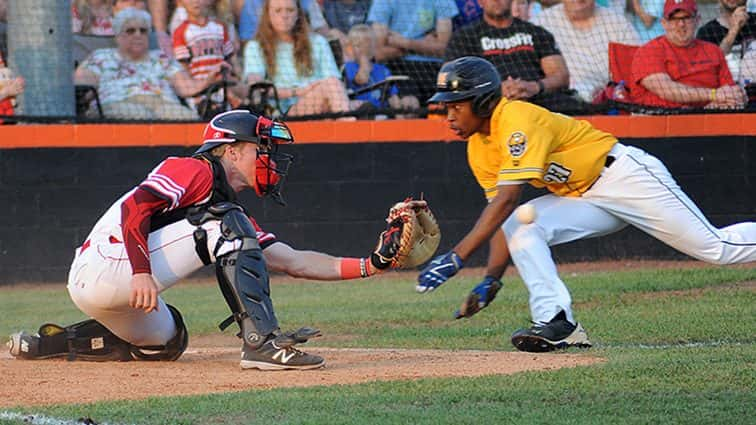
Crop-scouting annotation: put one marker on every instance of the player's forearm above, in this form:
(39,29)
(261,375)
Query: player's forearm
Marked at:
(498,255)
(490,220)
(318,266)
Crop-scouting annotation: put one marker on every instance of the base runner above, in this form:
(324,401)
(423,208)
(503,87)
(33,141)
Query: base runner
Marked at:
(598,186)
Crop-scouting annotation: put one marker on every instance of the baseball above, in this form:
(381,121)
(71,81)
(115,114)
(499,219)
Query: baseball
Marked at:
(525,213)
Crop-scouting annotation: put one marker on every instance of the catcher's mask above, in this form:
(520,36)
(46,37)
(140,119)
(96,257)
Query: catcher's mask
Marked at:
(469,78)
(272,166)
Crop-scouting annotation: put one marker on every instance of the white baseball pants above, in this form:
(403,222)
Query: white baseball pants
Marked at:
(636,189)
(99,282)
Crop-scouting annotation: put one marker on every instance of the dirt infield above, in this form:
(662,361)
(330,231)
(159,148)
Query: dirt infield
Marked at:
(211,365)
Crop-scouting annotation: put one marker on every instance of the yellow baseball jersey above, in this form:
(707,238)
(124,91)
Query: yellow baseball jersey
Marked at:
(533,144)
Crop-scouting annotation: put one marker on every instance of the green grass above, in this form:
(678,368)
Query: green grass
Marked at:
(679,345)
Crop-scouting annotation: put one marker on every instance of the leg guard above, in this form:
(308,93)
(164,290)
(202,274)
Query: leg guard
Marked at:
(88,340)
(243,277)
(91,341)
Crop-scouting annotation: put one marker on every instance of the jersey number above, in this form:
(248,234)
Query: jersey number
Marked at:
(556,173)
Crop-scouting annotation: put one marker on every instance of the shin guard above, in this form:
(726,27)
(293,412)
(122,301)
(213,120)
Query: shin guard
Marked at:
(243,278)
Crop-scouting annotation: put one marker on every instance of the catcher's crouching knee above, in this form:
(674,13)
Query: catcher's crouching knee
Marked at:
(173,349)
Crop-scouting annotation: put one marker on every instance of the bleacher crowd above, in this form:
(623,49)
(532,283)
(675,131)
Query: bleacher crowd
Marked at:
(341,59)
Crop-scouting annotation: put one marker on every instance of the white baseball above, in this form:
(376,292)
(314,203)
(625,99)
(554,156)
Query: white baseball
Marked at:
(525,213)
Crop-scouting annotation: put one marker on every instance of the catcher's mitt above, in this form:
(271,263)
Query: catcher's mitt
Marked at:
(411,237)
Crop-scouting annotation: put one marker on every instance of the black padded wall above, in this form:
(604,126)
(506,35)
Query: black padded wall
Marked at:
(337,197)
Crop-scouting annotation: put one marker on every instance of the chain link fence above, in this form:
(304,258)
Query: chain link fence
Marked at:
(106,61)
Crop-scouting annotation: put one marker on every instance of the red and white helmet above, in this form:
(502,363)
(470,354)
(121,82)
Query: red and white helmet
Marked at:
(244,126)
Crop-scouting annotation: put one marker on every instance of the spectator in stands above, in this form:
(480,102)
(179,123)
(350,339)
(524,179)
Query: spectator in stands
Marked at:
(521,9)
(95,17)
(10,87)
(248,13)
(342,15)
(412,37)
(469,12)
(528,60)
(734,31)
(583,32)
(135,83)
(364,72)
(646,15)
(677,70)
(161,10)
(202,44)
(220,10)
(298,62)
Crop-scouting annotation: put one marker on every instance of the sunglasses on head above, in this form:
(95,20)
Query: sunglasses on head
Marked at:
(132,30)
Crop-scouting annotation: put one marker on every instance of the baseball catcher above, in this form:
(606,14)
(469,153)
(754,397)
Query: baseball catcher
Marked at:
(184,215)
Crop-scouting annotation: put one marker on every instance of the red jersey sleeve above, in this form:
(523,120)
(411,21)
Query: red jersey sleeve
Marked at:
(181,181)
(174,183)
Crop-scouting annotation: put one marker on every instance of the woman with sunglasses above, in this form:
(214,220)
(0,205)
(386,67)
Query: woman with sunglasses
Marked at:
(136,83)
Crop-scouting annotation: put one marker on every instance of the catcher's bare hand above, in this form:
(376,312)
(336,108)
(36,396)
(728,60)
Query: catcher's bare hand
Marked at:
(144,292)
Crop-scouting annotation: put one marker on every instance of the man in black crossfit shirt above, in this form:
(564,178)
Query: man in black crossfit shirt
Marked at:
(531,66)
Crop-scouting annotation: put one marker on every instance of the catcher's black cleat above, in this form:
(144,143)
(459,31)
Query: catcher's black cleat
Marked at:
(278,353)
(557,334)
(23,345)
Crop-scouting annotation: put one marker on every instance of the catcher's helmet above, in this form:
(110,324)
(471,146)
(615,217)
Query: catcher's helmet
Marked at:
(469,77)
(241,125)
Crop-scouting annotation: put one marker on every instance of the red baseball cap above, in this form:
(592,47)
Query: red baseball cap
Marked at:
(672,6)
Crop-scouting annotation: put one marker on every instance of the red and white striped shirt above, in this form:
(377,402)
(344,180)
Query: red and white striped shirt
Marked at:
(203,46)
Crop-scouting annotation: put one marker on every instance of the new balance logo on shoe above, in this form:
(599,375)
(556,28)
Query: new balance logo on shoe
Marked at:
(283,356)
(271,356)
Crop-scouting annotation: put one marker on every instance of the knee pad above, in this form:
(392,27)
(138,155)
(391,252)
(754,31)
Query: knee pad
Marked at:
(173,349)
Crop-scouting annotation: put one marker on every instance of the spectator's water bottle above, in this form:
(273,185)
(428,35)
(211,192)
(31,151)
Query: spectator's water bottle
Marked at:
(620,92)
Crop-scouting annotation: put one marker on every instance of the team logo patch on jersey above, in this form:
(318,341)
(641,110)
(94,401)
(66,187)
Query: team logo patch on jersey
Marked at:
(517,144)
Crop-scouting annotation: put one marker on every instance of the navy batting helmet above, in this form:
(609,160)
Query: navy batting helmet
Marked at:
(469,78)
